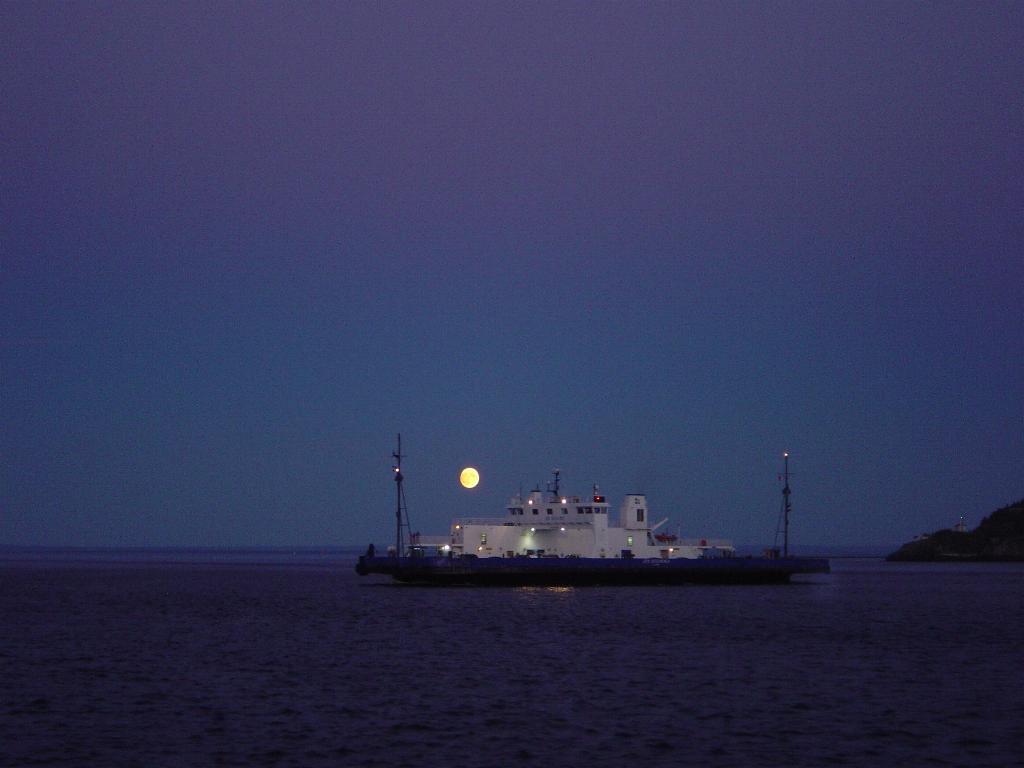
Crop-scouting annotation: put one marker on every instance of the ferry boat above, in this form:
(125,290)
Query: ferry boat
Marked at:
(548,538)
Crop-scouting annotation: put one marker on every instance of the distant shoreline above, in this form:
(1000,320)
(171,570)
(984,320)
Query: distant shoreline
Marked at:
(249,556)
(304,554)
(998,539)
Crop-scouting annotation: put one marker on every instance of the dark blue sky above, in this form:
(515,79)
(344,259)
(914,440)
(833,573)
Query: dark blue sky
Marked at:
(652,244)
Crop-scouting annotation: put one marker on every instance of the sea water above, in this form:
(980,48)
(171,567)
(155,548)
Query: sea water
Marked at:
(289,658)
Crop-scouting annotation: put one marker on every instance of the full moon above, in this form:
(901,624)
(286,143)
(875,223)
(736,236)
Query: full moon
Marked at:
(469,478)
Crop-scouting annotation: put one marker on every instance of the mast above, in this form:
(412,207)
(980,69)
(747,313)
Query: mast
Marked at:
(399,499)
(786,506)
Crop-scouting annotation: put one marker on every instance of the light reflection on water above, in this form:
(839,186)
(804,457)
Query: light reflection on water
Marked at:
(552,590)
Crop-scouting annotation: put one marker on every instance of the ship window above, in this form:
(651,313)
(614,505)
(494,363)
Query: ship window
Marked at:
(565,511)
(549,510)
(590,510)
(629,540)
(535,510)
(639,515)
(483,538)
(579,510)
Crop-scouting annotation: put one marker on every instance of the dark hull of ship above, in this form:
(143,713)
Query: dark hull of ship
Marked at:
(578,571)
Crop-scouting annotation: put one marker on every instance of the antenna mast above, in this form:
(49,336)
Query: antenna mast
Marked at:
(786,506)
(400,505)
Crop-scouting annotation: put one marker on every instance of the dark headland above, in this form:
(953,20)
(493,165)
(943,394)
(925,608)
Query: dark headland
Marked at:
(999,538)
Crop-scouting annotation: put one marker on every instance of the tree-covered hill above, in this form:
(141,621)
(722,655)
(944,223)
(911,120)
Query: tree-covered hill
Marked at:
(999,537)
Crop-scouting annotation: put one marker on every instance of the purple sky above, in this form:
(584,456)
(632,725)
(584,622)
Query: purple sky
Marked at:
(653,244)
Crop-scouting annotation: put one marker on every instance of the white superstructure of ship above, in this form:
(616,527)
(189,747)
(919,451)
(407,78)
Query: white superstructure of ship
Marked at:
(551,524)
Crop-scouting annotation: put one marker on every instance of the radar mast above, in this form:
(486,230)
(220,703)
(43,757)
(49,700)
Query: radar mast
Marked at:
(785,505)
(401,509)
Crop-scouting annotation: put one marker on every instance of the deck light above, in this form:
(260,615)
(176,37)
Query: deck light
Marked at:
(562,528)
(532,530)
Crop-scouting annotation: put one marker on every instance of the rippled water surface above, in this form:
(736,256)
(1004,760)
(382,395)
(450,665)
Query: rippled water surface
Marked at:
(301,662)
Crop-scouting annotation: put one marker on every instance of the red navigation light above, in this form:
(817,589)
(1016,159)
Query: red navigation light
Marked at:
(599,499)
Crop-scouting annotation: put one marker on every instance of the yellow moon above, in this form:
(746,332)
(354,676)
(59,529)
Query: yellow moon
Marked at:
(469,478)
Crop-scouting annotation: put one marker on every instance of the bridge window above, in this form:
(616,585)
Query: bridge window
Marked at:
(640,515)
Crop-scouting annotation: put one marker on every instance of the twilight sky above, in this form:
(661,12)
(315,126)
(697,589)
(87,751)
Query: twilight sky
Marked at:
(652,244)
